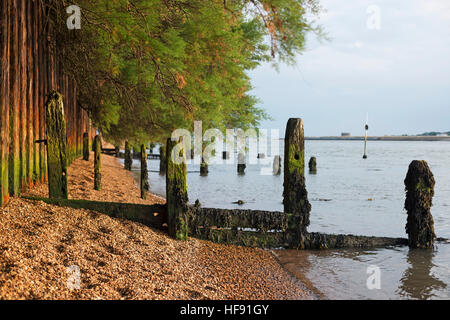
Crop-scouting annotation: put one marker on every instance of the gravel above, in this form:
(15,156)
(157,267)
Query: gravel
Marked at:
(50,252)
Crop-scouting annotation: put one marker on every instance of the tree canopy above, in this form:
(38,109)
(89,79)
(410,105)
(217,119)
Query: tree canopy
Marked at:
(146,67)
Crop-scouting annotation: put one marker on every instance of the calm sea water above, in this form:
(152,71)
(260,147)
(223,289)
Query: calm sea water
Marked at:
(348,195)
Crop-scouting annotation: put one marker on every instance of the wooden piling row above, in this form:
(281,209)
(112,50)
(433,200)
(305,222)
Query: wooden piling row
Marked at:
(30,70)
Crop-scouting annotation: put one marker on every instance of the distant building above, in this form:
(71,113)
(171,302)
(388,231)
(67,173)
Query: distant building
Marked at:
(345,134)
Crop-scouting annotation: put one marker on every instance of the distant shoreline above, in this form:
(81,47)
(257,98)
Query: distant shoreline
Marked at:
(382,138)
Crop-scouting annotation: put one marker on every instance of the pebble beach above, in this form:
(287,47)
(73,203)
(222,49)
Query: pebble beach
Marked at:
(41,245)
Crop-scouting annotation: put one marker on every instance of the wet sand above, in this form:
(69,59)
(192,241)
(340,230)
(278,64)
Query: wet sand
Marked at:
(43,246)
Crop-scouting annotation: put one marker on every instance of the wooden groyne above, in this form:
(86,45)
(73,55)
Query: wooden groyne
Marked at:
(31,68)
(256,228)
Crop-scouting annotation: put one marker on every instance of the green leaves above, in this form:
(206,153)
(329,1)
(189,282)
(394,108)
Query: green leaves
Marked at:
(146,67)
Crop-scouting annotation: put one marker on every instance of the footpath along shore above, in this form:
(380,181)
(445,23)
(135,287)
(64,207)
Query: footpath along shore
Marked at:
(119,259)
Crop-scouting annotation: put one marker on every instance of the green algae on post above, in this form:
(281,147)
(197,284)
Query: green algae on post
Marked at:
(176,190)
(295,195)
(56,146)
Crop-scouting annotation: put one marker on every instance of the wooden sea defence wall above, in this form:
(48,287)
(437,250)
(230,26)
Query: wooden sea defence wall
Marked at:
(268,229)
(30,69)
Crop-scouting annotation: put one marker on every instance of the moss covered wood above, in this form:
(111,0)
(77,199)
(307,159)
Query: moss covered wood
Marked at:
(176,190)
(419,186)
(97,163)
(162,159)
(128,159)
(312,241)
(295,195)
(144,172)
(86,146)
(150,215)
(263,221)
(56,146)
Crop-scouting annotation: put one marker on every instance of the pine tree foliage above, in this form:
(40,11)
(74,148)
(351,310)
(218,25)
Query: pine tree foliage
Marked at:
(147,67)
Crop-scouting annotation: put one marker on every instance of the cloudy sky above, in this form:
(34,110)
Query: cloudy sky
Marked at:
(399,74)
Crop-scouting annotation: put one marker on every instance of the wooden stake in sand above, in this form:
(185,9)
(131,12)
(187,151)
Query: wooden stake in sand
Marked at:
(86,146)
(176,190)
(97,163)
(295,194)
(56,146)
(144,172)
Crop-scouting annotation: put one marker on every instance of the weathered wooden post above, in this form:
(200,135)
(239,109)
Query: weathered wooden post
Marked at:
(176,190)
(225,155)
(86,146)
(295,195)
(241,163)
(56,146)
(162,159)
(144,172)
(204,168)
(97,163)
(116,151)
(312,165)
(419,186)
(276,165)
(128,160)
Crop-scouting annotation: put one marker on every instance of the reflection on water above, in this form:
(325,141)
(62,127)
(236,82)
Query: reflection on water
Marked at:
(342,274)
(418,280)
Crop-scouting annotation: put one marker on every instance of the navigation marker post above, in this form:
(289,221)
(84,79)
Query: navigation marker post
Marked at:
(365,137)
